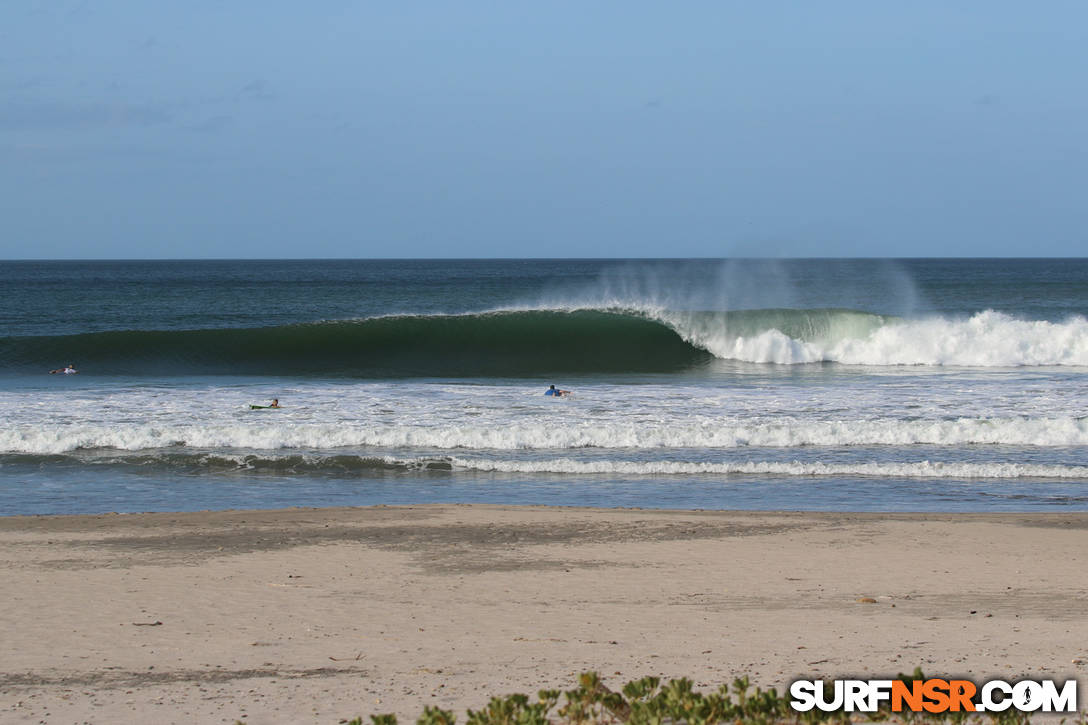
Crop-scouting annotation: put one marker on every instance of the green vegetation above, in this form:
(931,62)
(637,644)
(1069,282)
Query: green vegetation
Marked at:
(650,702)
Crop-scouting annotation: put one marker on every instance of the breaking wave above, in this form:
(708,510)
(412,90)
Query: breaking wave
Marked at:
(362,465)
(59,439)
(987,339)
(520,343)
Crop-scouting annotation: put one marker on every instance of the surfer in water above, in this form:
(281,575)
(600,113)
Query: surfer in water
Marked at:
(68,369)
(552,390)
(275,403)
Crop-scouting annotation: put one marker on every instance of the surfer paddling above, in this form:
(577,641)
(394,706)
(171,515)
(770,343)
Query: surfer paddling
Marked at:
(275,404)
(68,369)
(552,390)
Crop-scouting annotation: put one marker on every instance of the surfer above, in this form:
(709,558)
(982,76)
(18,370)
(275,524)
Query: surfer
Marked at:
(68,369)
(552,390)
(275,403)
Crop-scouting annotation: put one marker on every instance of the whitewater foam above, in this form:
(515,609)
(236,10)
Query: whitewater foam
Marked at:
(922,469)
(303,463)
(987,339)
(1043,432)
(800,336)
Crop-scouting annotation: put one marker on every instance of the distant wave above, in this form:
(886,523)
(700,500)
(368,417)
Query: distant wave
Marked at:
(349,464)
(66,438)
(521,343)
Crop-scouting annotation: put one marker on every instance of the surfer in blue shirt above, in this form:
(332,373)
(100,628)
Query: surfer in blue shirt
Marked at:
(552,390)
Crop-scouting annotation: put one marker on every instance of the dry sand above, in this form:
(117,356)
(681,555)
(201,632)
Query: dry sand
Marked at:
(314,615)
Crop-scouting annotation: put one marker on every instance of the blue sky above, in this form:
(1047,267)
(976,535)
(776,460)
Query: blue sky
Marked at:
(561,129)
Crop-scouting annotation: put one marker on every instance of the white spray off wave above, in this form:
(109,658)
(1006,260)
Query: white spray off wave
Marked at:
(717,306)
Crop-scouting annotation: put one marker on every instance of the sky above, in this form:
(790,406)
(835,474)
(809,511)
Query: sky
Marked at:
(245,129)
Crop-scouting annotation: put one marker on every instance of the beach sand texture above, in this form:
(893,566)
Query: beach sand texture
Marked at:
(313,615)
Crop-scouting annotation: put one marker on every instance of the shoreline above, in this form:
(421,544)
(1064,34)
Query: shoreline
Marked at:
(313,615)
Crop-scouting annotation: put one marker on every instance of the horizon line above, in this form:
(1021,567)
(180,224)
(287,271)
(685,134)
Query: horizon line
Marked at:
(513,259)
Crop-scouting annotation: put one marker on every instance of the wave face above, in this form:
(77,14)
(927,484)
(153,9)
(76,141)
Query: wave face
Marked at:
(503,343)
(520,343)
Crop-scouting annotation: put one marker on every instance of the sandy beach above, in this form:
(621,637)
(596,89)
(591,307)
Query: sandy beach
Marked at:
(314,615)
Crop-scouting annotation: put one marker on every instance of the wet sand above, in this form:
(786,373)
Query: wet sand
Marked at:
(314,615)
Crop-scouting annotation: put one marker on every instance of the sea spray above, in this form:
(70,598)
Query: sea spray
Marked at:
(731,285)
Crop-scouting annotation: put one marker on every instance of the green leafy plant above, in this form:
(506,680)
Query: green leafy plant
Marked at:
(649,701)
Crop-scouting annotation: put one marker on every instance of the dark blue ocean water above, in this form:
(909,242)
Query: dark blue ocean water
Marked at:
(816,384)
(72,297)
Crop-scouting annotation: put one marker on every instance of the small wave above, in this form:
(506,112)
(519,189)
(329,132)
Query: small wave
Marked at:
(1042,432)
(921,469)
(347,464)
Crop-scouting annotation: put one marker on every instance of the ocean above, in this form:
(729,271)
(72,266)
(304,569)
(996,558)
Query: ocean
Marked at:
(848,385)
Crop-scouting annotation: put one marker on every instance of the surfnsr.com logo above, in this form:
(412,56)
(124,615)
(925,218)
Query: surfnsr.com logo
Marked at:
(933,695)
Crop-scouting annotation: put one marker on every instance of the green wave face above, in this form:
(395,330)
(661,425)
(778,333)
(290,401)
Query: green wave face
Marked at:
(488,344)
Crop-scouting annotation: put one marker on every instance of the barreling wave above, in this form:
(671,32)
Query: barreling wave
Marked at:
(347,464)
(60,439)
(492,344)
(521,343)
